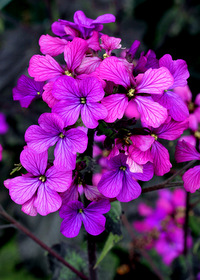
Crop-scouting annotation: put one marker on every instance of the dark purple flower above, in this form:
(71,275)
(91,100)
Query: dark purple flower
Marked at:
(79,97)
(51,131)
(74,213)
(83,25)
(119,182)
(26,90)
(37,191)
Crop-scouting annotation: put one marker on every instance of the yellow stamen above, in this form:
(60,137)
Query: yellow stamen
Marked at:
(197,134)
(61,135)
(105,55)
(83,100)
(191,106)
(80,211)
(131,92)
(42,178)
(68,73)
(38,93)
(155,136)
(122,168)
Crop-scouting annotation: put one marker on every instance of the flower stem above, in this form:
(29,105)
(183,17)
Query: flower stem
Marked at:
(26,231)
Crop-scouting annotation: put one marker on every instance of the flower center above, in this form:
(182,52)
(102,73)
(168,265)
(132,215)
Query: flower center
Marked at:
(155,136)
(105,55)
(122,168)
(80,211)
(197,134)
(131,92)
(83,100)
(191,107)
(38,93)
(68,73)
(61,135)
(42,178)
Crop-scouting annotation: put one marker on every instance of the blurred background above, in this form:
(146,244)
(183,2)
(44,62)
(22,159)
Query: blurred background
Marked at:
(171,26)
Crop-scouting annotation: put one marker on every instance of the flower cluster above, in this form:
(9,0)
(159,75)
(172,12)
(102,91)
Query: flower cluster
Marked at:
(163,227)
(99,89)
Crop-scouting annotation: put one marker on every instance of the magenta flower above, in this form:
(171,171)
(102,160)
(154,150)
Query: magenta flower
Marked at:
(187,152)
(44,68)
(37,191)
(79,97)
(119,182)
(110,43)
(26,90)
(170,99)
(153,81)
(74,213)
(51,131)
(82,26)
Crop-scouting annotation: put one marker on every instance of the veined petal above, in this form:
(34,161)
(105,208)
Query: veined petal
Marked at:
(191,179)
(76,140)
(147,174)
(43,68)
(102,206)
(155,81)
(92,193)
(93,41)
(92,89)
(74,53)
(130,189)
(47,200)
(29,208)
(69,112)
(171,130)
(51,123)
(143,142)
(71,225)
(71,194)
(94,223)
(58,180)
(114,70)
(23,188)
(116,105)
(152,113)
(33,162)
(185,152)
(52,45)
(88,65)
(91,113)
(161,161)
(141,157)
(66,88)
(38,139)
(174,103)
(64,158)
(110,184)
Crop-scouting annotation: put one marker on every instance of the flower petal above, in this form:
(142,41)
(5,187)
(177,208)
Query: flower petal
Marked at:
(191,179)
(43,68)
(152,113)
(52,45)
(58,180)
(47,200)
(94,223)
(72,140)
(91,113)
(92,89)
(64,158)
(102,206)
(155,81)
(185,152)
(116,105)
(33,162)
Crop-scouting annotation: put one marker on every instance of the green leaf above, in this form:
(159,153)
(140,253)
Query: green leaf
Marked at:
(110,243)
(113,221)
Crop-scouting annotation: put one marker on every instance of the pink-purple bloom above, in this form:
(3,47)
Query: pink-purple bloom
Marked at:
(38,190)
(51,131)
(79,97)
(74,214)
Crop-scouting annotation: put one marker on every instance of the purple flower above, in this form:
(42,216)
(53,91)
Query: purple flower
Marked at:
(187,152)
(26,90)
(85,26)
(109,44)
(37,191)
(51,131)
(52,45)
(74,213)
(119,182)
(153,81)
(79,97)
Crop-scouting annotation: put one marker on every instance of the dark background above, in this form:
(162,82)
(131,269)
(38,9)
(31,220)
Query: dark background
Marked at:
(171,26)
